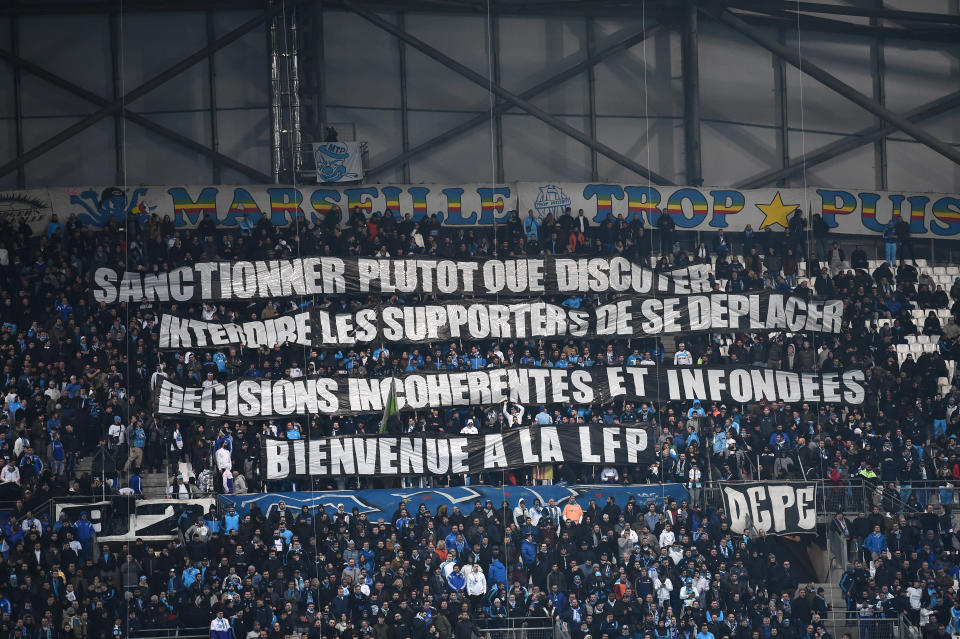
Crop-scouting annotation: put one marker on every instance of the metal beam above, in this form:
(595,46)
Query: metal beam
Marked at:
(404,115)
(591,41)
(877,68)
(136,118)
(61,7)
(486,83)
(691,95)
(17,97)
(846,10)
(540,7)
(119,134)
(838,85)
(494,41)
(319,72)
(921,37)
(212,91)
(140,91)
(783,108)
(550,83)
(853,141)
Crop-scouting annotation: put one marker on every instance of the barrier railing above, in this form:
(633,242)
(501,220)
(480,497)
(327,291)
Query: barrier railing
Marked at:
(170,633)
(857,627)
(518,628)
(859,495)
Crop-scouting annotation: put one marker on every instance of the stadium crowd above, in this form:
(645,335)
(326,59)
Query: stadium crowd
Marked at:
(77,380)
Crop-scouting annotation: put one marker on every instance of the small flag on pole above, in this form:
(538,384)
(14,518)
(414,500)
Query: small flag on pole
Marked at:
(390,407)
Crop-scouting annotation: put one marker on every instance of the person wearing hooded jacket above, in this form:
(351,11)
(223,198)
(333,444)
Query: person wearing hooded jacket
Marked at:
(688,593)
(476,586)
(496,573)
(696,409)
(86,533)
(456,580)
(520,513)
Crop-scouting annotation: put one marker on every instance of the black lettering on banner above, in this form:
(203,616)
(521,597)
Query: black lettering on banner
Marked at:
(482,320)
(263,279)
(252,399)
(774,508)
(412,455)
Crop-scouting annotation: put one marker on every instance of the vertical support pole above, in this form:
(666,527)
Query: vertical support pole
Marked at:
(404,115)
(294,126)
(498,119)
(17,96)
(273,90)
(118,121)
(320,69)
(691,95)
(877,68)
(592,96)
(212,88)
(783,114)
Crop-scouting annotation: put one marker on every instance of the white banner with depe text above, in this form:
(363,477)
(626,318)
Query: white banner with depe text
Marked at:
(771,507)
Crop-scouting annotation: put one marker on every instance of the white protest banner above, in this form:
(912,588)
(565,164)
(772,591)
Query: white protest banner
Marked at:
(264,279)
(270,398)
(772,507)
(482,320)
(424,454)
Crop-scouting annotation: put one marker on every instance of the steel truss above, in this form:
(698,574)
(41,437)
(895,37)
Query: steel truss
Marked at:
(749,18)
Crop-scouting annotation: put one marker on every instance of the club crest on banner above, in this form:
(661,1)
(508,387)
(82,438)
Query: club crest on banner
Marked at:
(24,206)
(551,200)
(338,161)
(111,203)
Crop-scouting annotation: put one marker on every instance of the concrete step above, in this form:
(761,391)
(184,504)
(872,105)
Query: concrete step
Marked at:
(84,465)
(833,594)
(154,485)
(838,604)
(669,347)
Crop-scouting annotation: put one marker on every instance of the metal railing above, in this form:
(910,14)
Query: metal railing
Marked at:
(169,633)
(839,625)
(520,628)
(858,495)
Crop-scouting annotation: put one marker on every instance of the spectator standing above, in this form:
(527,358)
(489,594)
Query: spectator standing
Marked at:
(890,242)
(138,442)
(682,357)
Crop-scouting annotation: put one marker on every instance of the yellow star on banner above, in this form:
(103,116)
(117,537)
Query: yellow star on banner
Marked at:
(776,212)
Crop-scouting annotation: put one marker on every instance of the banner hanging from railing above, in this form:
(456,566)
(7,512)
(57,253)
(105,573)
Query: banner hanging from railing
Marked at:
(416,455)
(855,211)
(268,279)
(482,320)
(378,505)
(788,508)
(252,399)
(715,208)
